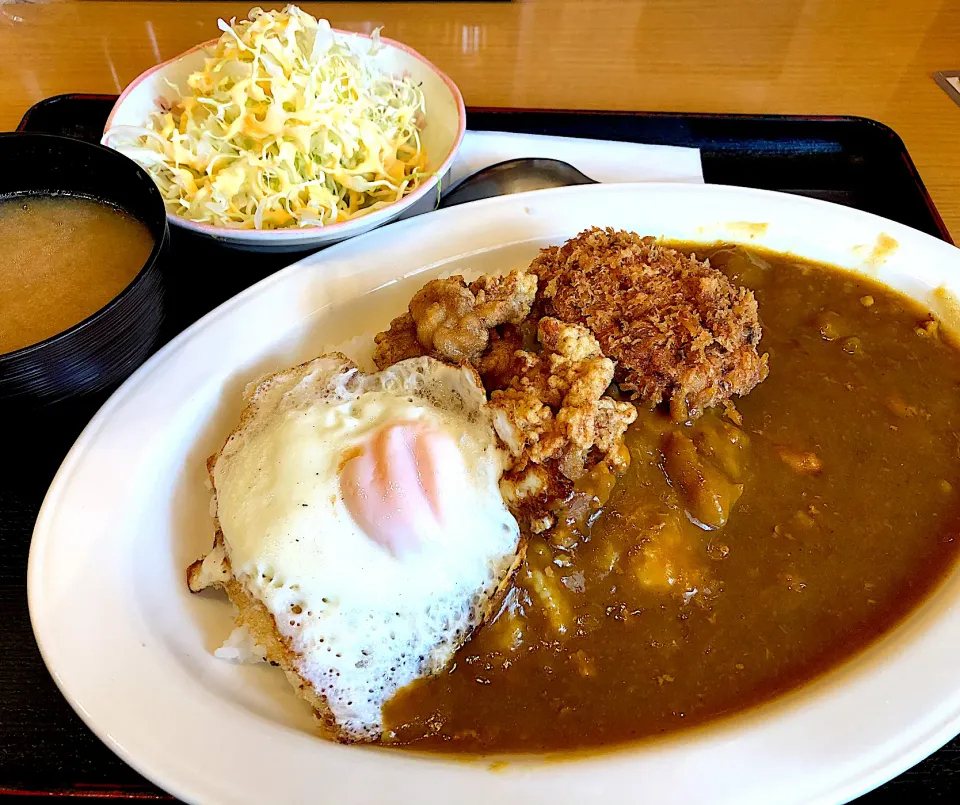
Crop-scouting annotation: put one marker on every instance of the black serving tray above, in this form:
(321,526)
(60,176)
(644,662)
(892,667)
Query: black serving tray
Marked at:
(847,160)
(46,752)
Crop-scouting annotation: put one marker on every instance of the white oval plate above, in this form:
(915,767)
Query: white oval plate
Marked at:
(131,649)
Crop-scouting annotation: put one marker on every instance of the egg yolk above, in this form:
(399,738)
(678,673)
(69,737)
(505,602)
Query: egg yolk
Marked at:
(402,486)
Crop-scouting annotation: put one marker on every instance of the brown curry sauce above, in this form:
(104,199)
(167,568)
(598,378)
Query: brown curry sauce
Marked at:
(739,556)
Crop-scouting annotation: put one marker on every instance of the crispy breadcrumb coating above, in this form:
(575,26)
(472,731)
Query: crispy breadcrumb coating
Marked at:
(678,329)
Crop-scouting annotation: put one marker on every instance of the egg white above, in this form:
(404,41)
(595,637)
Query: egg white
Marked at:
(362,621)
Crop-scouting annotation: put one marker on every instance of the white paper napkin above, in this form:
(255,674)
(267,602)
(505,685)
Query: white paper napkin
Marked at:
(601,160)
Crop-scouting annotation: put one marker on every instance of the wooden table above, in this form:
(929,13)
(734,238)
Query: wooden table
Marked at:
(754,56)
(851,57)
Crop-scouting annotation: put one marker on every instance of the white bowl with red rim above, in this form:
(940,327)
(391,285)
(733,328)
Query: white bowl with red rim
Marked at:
(442,133)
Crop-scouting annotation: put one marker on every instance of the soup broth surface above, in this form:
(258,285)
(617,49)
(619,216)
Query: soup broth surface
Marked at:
(62,258)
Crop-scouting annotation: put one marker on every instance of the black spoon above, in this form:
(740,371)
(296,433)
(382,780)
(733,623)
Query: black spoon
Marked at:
(513,176)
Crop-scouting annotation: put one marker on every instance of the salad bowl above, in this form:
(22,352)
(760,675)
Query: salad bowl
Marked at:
(441,134)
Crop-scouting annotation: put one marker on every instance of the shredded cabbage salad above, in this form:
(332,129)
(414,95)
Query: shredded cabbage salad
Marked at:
(285,126)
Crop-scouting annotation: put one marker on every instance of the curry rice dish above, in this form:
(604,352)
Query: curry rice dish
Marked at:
(731,470)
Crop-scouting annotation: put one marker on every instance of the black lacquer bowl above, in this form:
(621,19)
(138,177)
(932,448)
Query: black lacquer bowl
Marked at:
(106,347)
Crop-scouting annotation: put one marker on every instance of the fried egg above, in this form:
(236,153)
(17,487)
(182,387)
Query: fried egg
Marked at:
(362,513)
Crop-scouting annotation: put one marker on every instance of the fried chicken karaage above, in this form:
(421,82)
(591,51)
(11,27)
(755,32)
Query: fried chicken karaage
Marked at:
(451,320)
(557,421)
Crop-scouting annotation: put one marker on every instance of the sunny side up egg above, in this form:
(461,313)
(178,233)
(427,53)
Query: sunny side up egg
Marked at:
(364,513)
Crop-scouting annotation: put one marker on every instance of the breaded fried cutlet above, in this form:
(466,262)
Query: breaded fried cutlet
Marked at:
(679,329)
